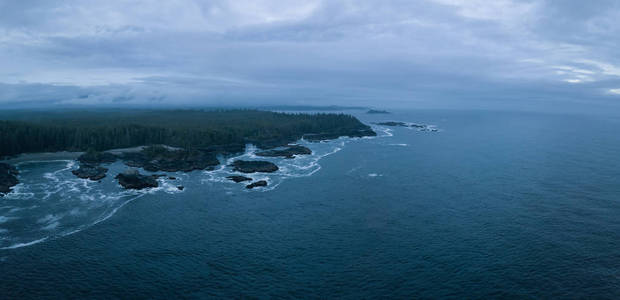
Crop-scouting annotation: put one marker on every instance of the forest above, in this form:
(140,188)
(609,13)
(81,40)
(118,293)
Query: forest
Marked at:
(50,131)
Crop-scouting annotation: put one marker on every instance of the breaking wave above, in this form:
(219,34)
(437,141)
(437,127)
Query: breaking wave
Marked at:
(50,202)
(299,166)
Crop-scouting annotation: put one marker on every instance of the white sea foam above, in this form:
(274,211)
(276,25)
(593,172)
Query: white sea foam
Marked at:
(353,170)
(110,214)
(166,186)
(19,245)
(49,219)
(46,198)
(50,198)
(299,166)
(422,127)
(410,126)
(51,226)
(387,132)
(19,192)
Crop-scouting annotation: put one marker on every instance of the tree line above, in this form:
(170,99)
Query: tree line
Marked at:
(28,132)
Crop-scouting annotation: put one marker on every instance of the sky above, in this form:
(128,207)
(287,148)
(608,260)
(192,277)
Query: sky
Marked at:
(547,54)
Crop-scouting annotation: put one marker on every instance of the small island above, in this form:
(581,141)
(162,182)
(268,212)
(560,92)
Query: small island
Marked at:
(239,178)
(393,124)
(377,112)
(132,179)
(253,166)
(90,171)
(419,127)
(289,151)
(260,183)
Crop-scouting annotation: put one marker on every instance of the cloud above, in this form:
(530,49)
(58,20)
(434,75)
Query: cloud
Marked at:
(440,53)
(503,11)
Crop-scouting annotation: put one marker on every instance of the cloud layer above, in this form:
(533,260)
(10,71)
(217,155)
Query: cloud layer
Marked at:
(424,53)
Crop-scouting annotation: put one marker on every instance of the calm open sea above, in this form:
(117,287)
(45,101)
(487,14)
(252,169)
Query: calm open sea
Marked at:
(495,205)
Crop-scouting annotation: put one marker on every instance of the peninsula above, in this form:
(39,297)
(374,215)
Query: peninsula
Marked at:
(183,140)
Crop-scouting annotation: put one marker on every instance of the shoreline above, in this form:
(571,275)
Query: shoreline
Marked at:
(64,155)
(25,157)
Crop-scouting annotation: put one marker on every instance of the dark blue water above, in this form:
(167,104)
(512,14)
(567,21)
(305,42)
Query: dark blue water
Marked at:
(496,205)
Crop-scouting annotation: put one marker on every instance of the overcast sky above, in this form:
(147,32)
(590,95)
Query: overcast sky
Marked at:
(384,53)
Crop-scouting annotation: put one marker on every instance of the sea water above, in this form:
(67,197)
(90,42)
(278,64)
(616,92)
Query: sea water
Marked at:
(493,204)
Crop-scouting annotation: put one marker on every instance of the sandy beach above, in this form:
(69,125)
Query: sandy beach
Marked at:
(68,155)
(42,156)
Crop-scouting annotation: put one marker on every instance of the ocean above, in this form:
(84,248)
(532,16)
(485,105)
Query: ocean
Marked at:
(492,205)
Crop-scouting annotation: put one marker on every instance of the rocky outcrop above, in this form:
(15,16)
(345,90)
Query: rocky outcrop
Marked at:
(375,111)
(159,158)
(289,151)
(251,166)
(8,178)
(419,127)
(89,165)
(224,149)
(259,183)
(95,157)
(238,178)
(393,124)
(272,143)
(90,171)
(317,137)
(132,179)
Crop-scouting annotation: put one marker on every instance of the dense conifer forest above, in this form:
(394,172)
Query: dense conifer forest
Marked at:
(28,132)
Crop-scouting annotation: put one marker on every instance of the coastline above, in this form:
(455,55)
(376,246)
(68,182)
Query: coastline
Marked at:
(66,155)
(25,157)
(259,181)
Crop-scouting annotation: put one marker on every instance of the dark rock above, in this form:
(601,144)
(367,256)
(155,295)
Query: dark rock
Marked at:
(394,124)
(8,178)
(317,137)
(256,184)
(237,178)
(362,133)
(132,179)
(224,149)
(95,157)
(375,111)
(90,171)
(172,178)
(289,152)
(247,166)
(272,143)
(419,127)
(159,158)
(180,187)
(89,165)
